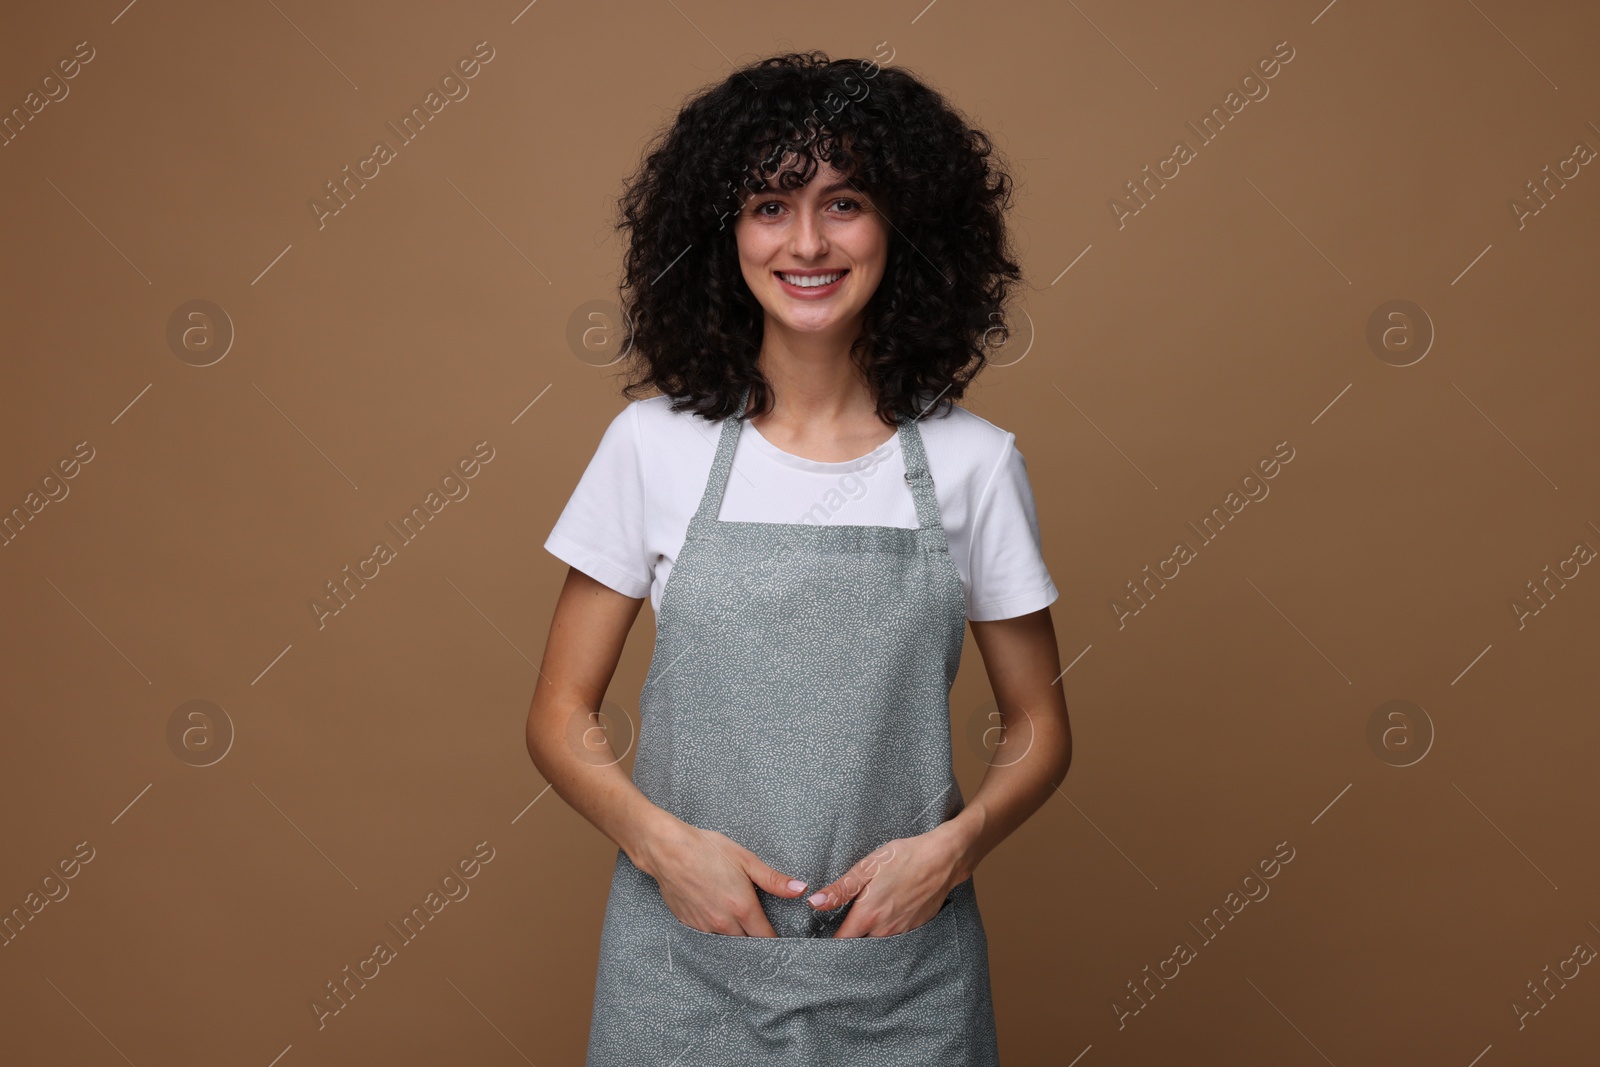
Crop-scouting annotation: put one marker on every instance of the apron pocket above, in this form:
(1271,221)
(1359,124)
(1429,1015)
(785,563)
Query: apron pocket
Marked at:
(748,1000)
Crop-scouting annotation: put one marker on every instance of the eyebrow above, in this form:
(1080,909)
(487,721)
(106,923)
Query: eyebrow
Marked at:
(836,187)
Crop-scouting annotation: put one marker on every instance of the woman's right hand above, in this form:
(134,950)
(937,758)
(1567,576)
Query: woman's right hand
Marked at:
(708,881)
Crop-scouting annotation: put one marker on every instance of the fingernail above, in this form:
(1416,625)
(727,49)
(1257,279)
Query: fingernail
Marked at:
(795,885)
(819,899)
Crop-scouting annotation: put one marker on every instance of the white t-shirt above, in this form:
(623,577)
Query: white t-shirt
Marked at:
(626,520)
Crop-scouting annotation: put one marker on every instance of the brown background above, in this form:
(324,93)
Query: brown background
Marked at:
(363,759)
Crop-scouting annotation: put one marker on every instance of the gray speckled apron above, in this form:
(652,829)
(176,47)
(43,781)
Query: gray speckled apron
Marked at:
(798,702)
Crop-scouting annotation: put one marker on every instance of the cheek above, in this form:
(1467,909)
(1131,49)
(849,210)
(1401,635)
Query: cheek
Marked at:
(753,260)
(873,252)
(872,243)
(748,267)
(755,248)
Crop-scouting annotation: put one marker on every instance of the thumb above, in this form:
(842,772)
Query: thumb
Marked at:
(848,886)
(774,882)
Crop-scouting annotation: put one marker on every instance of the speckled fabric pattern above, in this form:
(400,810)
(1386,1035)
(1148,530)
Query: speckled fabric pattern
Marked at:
(798,702)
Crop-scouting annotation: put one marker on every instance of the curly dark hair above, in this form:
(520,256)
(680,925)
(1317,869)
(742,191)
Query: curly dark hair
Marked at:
(693,326)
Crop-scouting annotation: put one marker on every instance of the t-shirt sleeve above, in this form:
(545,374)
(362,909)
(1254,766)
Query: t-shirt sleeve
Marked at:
(601,531)
(1006,565)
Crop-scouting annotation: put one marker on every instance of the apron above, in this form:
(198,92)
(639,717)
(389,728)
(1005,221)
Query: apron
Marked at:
(798,702)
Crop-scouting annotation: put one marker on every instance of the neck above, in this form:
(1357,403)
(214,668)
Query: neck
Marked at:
(813,378)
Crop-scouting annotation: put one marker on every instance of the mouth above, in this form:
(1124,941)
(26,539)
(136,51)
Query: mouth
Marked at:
(813,283)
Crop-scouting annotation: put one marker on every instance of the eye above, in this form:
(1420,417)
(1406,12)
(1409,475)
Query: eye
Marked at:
(854,204)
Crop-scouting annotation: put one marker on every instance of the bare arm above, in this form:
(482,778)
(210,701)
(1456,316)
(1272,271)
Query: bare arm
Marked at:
(587,633)
(706,879)
(1020,658)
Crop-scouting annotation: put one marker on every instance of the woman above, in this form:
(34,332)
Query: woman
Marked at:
(816,524)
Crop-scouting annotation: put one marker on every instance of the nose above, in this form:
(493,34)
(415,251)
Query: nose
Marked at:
(809,240)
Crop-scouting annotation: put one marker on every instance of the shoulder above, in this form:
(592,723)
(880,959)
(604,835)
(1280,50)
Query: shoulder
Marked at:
(964,447)
(671,449)
(653,420)
(650,424)
(966,425)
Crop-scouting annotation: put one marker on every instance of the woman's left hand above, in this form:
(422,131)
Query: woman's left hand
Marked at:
(898,887)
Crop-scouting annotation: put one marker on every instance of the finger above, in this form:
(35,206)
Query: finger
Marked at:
(731,918)
(863,920)
(874,914)
(848,886)
(841,891)
(755,923)
(856,924)
(753,867)
(779,885)
(751,920)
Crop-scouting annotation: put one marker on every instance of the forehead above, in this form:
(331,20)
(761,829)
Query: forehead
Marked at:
(824,180)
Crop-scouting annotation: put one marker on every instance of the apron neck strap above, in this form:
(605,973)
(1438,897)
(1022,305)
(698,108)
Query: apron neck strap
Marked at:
(916,463)
(911,452)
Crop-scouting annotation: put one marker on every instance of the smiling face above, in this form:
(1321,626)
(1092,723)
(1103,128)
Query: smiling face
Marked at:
(813,256)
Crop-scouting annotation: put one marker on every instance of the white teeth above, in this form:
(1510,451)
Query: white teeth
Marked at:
(813,281)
